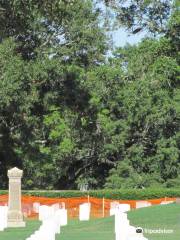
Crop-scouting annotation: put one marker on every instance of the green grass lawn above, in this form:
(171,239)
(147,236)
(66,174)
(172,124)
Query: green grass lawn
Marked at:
(97,229)
(156,217)
(20,233)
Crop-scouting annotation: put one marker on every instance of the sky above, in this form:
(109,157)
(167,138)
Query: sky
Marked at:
(121,38)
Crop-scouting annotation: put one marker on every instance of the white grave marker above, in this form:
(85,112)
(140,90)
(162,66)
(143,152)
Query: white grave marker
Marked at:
(3,217)
(84,211)
(62,214)
(121,225)
(51,223)
(36,207)
(142,204)
(166,202)
(115,206)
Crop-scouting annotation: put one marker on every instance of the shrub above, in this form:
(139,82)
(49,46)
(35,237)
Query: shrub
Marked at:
(129,194)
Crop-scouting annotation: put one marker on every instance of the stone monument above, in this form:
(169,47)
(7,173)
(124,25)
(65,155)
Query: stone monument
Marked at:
(15,216)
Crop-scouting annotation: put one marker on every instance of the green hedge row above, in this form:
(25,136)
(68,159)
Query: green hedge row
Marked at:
(3,192)
(131,194)
(137,194)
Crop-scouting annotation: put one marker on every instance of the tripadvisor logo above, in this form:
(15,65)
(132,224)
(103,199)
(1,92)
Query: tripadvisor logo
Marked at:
(158,231)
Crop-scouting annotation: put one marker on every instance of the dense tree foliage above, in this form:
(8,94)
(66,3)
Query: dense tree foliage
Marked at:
(70,116)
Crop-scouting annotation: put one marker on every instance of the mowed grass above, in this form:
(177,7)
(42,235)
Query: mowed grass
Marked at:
(96,229)
(155,217)
(20,233)
(158,217)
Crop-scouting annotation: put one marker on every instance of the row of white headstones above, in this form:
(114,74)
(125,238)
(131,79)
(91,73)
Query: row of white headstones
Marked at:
(53,217)
(123,229)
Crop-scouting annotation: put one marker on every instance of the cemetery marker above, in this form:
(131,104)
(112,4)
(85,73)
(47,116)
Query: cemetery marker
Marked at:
(15,216)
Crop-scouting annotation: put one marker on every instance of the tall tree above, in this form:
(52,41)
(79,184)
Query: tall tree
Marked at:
(46,47)
(68,115)
(150,103)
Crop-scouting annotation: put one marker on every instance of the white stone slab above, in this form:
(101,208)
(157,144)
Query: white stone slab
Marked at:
(62,215)
(36,206)
(84,211)
(45,212)
(56,206)
(166,202)
(3,217)
(62,205)
(142,204)
(115,206)
(48,230)
(124,207)
(121,221)
(136,236)
(123,230)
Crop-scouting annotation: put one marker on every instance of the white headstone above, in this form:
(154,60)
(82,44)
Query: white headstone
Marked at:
(121,225)
(124,207)
(166,202)
(51,223)
(115,206)
(142,204)
(62,205)
(56,206)
(45,212)
(36,207)
(84,211)
(62,214)
(123,229)
(3,217)
(136,236)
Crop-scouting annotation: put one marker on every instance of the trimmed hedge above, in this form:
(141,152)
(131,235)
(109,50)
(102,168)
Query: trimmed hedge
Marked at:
(130,194)
(3,192)
(136,194)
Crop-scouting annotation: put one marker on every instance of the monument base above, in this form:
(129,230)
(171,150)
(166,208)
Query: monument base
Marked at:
(15,219)
(16,224)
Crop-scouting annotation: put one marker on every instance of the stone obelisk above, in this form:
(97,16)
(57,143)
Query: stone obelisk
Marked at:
(15,216)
